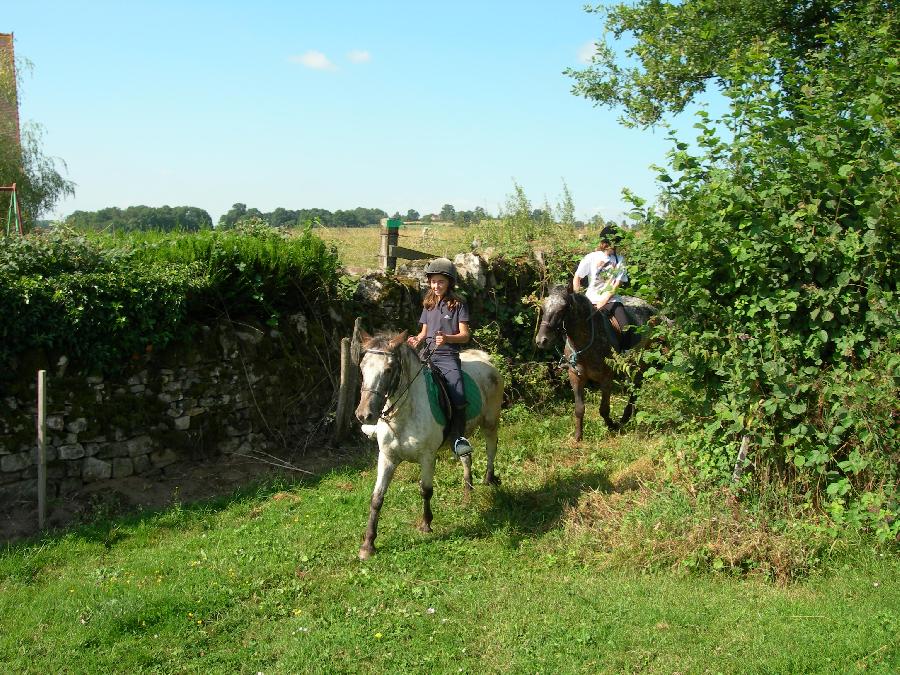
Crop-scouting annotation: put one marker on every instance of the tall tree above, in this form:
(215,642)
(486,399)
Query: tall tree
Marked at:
(39,183)
(773,250)
(448,213)
(679,47)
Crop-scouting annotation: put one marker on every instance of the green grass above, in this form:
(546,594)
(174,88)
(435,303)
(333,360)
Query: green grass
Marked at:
(268,581)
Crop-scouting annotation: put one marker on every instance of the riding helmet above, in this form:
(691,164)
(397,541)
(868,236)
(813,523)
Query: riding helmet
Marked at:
(611,235)
(441,266)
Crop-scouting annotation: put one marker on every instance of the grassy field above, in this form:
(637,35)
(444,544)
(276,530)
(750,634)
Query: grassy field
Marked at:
(359,246)
(268,581)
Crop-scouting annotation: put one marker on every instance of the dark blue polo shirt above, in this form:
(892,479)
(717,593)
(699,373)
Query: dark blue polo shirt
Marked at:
(445,319)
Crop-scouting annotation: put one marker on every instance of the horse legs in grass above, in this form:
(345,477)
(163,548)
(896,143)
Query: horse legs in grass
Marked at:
(467,476)
(385,473)
(629,407)
(604,409)
(490,442)
(578,389)
(426,489)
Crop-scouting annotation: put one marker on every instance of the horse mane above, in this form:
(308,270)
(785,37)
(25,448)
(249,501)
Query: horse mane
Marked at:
(578,301)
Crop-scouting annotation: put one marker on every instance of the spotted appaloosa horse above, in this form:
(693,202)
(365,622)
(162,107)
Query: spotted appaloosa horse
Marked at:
(587,347)
(395,400)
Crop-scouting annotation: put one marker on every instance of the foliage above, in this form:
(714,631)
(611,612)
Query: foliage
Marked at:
(281,217)
(679,47)
(39,184)
(775,255)
(521,227)
(141,218)
(101,299)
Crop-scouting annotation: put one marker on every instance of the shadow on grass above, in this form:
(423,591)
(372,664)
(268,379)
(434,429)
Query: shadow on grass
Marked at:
(530,512)
(107,517)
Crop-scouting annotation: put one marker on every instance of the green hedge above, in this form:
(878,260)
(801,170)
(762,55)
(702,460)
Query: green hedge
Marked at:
(100,299)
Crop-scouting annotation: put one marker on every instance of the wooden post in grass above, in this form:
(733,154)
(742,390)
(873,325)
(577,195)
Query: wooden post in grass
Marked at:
(42,447)
(344,402)
(351,352)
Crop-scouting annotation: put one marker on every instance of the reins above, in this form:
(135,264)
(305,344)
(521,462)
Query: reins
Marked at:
(386,412)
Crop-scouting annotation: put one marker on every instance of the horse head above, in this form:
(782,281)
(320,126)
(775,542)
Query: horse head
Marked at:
(380,365)
(554,310)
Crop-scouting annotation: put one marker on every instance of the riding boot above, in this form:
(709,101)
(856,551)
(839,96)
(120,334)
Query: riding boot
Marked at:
(461,446)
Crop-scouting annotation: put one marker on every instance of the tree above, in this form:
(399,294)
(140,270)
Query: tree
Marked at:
(448,213)
(142,218)
(39,184)
(412,215)
(679,47)
(565,208)
(775,255)
(230,219)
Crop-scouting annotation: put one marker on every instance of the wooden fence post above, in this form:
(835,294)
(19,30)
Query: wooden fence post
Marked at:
(344,402)
(42,447)
(351,352)
(390,235)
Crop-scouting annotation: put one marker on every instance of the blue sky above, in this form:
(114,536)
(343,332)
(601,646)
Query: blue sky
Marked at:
(395,105)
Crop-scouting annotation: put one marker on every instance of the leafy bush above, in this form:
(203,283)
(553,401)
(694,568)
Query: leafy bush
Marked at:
(102,299)
(776,255)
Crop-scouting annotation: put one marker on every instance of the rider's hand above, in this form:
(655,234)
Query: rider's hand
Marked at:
(413,341)
(439,338)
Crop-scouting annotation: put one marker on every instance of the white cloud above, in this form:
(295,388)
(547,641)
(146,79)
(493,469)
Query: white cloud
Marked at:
(315,60)
(359,56)
(586,51)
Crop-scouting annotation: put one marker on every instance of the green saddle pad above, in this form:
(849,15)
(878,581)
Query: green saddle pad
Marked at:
(473,397)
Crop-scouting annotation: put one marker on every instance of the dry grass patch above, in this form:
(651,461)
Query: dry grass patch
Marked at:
(643,522)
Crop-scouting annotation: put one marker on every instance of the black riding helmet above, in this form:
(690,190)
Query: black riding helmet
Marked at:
(442,266)
(611,235)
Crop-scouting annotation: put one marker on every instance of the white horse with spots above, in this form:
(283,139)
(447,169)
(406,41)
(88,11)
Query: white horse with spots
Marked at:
(395,400)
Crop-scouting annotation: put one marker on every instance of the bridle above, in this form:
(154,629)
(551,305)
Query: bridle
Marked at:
(385,394)
(572,359)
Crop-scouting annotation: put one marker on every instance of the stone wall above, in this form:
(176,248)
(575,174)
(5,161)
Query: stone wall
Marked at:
(234,388)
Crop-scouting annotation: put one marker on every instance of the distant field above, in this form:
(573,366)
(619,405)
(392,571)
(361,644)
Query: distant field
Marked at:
(359,246)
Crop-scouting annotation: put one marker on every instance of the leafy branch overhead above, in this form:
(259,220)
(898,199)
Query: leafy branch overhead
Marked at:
(675,50)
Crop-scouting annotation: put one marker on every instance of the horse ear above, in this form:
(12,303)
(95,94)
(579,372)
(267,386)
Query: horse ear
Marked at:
(364,337)
(569,287)
(398,340)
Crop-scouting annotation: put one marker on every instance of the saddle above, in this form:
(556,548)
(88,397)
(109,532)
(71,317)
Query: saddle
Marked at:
(439,400)
(443,398)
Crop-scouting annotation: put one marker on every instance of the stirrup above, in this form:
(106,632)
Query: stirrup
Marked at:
(462,447)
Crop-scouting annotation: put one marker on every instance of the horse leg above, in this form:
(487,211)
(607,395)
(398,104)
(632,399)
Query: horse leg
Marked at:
(632,397)
(467,477)
(426,489)
(385,473)
(604,407)
(490,443)
(578,389)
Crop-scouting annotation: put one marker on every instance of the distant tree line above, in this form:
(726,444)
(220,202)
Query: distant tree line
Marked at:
(192,219)
(142,218)
(280,217)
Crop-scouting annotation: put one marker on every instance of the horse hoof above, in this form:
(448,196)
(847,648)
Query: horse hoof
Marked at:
(492,480)
(366,552)
(425,528)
